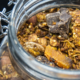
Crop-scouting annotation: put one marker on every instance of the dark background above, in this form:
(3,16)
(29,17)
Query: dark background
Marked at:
(3,4)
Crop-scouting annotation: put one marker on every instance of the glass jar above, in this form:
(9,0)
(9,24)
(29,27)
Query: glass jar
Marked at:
(24,63)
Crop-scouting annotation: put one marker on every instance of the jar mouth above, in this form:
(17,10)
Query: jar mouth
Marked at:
(18,17)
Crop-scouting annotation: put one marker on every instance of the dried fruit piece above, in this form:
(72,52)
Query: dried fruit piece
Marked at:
(65,17)
(62,21)
(52,17)
(63,10)
(60,59)
(33,20)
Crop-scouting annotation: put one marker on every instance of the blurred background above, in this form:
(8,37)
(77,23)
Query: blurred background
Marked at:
(3,4)
(4,59)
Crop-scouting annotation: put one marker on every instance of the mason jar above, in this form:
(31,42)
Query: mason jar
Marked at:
(24,63)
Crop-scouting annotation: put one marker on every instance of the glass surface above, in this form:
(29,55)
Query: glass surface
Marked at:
(23,61)
(7,71)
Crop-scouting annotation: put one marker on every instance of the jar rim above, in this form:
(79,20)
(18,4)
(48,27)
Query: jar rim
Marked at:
(17,46)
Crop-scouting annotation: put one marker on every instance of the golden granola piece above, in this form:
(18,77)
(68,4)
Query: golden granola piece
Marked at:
(33,52)
(76,35)
(54,41)
(41,33)
(42,41)
(60,59)
(53,10)
(32,38)
(41,17)
(66,45)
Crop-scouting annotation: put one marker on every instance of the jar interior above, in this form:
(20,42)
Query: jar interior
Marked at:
(46,30)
